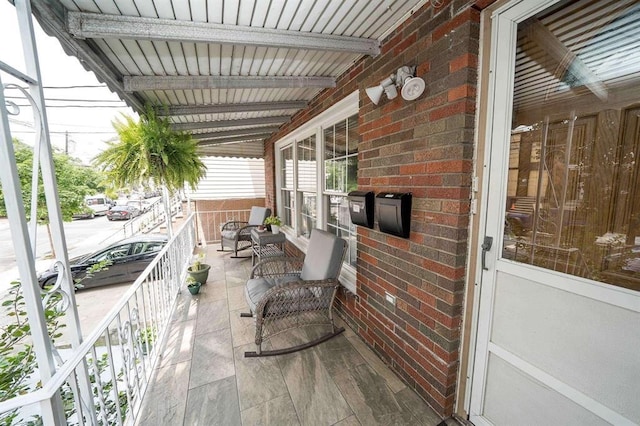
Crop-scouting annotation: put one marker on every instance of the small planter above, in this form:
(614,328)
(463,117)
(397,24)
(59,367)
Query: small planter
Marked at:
(275,229)
(201,274)
(194,288)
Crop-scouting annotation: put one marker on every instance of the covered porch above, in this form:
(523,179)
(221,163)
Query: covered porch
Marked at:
(202,376)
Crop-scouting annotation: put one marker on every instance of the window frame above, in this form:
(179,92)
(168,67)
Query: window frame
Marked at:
(342,110)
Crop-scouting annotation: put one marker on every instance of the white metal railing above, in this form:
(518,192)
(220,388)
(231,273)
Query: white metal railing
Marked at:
(151,219)
(119,356)
(210,222)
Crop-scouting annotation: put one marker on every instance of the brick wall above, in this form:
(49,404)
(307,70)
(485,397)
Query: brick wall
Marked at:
(424,147)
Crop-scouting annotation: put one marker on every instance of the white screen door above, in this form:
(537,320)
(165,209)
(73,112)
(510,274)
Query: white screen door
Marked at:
(558,334)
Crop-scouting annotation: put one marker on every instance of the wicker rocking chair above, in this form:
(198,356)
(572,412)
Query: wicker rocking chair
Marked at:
(236,235)
(285,293)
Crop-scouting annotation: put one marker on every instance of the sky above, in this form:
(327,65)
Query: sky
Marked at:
(86,112)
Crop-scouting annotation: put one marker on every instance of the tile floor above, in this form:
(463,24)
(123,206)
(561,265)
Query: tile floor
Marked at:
(203,378)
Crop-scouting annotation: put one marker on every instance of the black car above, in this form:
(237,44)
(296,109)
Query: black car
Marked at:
(122,212)
(120,262)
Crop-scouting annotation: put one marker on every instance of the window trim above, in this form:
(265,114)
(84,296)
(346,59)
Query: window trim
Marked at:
(342,110)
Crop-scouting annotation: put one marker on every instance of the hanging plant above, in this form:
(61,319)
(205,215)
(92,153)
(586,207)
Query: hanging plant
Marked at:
(151,151)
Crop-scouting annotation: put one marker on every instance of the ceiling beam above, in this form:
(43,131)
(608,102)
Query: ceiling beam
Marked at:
(230,123)
(50,15)
(197,82)
(209,142)
(226,108)
(93,25)
(235,132)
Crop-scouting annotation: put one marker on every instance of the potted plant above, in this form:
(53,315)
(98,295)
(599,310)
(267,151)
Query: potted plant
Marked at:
(274,222)
(199,271)
(146,338)
(193,286)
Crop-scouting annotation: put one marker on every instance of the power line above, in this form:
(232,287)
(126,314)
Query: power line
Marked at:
(71,99)
(90,86)
(77,106)
(77,132)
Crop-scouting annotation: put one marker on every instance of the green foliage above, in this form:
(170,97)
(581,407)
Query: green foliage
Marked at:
(18,361)
(273,220)
(74,181)
(17,357)
(150,151)
(197,263)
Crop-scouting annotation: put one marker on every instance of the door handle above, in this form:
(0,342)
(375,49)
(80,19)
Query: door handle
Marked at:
(486,246)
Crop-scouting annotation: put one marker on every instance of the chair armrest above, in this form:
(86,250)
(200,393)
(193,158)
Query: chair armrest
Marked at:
(275,267)
(246,230)
(233,225)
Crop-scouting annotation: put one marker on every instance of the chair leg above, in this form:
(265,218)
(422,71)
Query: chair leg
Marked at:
(260,353)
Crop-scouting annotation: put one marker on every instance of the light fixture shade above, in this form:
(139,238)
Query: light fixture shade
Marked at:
(412,88)
(374,93)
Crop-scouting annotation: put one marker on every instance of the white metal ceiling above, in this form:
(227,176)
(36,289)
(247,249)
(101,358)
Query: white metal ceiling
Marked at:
(240,54)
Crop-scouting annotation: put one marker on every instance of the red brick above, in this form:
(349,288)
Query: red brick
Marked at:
(468,60)
(413,169)
(404,44)
(464,91)
(450,166)
(463,106)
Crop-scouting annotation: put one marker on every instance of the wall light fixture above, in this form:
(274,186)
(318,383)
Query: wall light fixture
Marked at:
(411,86)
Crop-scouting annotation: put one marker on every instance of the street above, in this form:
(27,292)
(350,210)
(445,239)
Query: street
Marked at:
(82,236)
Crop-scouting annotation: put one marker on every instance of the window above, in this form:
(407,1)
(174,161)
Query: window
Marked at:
(307,184)
(286,200)
(341,177)
(317,167)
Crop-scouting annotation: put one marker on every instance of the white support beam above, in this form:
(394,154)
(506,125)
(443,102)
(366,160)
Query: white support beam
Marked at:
(235,132)
(241,138)
(226,108)
(49,15)
(230,123)
(197,82)
(93,25)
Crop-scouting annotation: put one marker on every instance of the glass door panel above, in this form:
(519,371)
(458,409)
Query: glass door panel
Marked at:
(573,197)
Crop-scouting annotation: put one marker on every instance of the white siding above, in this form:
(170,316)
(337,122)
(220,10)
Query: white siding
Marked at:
(229,178)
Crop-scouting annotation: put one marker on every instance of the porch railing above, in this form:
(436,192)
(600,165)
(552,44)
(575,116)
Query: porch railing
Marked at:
(209,222)
(153,218)
(118,357)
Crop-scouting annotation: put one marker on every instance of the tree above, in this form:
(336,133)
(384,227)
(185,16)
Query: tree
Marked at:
(74,182)
(150,151)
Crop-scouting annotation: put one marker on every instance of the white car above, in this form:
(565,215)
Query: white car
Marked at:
(99,203)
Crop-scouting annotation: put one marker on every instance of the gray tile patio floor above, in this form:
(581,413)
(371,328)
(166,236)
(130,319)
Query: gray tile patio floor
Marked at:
(203,378)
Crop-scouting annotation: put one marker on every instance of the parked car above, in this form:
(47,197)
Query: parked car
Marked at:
(122,213)
(141,205)
(99,203)
(124,261)
(85,212)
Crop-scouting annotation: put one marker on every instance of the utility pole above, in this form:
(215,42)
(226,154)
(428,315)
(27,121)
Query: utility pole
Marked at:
(66,142)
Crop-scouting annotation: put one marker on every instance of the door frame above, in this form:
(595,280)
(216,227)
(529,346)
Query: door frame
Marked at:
(493,66)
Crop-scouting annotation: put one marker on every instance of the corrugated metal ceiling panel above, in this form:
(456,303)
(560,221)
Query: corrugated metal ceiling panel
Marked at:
(146,54)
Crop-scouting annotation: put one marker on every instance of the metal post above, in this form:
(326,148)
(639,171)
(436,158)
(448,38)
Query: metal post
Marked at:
(12,190)
(45,154)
